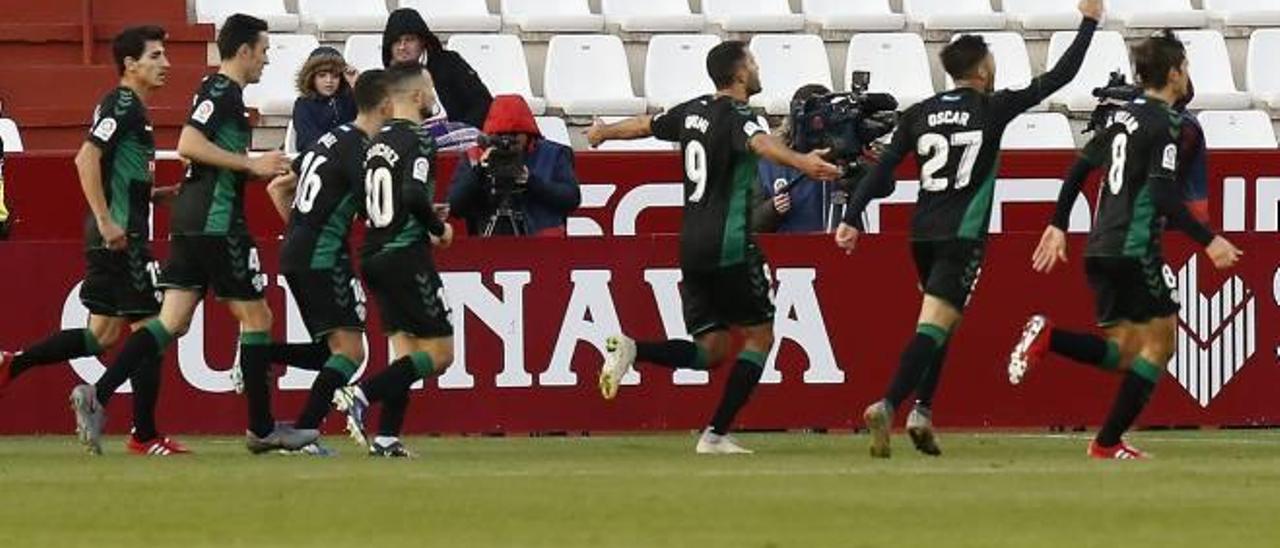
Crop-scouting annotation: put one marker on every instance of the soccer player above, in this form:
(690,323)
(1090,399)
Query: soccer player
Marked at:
(210,243)
(725,282)
(319,201)
(1133,289)
(115,167)
(396,260)
(955,136)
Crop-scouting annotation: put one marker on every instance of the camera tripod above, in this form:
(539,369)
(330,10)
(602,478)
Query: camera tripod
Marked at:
(505,216)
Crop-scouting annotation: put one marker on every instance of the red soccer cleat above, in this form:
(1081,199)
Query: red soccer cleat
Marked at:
(6,368)
(1031,349)
(161,446)
(1119,451)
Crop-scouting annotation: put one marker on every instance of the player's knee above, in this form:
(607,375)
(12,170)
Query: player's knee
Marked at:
(107,334)
(760,339)
(443,358)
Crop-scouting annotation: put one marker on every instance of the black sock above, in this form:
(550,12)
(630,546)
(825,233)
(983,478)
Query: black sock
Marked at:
(1085,348)
(396,377)
(309,356)
(144,344)
(920,353)
(1134,394)
(932,375)
(742,382)
(59,347)
(394,408)
(391,387)
(672,354)
(146,391)
(255,359)
(334,375)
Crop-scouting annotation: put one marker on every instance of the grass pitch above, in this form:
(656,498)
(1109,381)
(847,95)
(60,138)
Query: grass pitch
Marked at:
(1205,489)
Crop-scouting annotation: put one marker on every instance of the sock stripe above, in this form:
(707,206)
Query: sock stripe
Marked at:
(255,338)
(1146,370)
(91,344)
(342,365)
(935,332)
(752,357)
(162,336)
(1112,359)
(422,364)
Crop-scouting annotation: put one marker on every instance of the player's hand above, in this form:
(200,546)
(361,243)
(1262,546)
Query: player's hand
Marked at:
(351,74)
(815,166)
(1092,9)
(444,240)
(112,235)
(1051,250)
(595,133)
(270,164)
(1223,253)
(162,194)
(782,203)
(847,237)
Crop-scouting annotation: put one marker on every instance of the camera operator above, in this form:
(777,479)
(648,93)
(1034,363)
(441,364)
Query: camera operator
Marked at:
(790,202)
(515,182)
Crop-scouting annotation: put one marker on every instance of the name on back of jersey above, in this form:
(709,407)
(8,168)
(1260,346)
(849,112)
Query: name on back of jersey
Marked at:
(1124,118)
(949,118)
(693,121)
(382,150)
(328,140)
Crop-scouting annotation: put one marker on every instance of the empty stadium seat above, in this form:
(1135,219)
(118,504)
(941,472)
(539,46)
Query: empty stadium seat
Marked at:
(651,15)
(290,140)
(1244,13)
(10,135)
(676,68)
(500,61)
(272,11)
(646,144)
(846,15)
(554,129)
(1210,67)
(1155,13)
(953,14)
(787,62)
(456,15)
(363,51)
(551,16)
(1263,80)
(1107,53)
(1043,14)
(1249,129)
(274,93)
(897,62)
(1039,131)
(588,75)
(344,15)
(752,15)
(1013,64)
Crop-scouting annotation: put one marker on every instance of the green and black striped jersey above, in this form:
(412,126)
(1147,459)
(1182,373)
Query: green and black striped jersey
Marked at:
(123,134)
(329,193)
(720,175)
(211,201)
(399,188)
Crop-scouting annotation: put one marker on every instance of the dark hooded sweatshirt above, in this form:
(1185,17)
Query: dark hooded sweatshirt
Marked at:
(458,87)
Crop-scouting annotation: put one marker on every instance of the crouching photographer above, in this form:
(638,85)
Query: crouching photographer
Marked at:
(514,183)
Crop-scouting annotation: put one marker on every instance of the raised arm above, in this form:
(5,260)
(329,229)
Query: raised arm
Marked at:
(637,127)
(1010,103)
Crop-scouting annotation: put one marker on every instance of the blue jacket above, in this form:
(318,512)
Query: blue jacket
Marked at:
(313,117)
(553,191)
(810,201)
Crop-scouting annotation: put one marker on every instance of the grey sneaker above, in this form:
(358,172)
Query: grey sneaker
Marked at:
(282,437)
(350,400)
(393,449)
(91,418)
(878,421)
(920,429)
(310,450)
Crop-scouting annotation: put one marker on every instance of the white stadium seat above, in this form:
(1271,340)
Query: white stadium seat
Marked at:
(1013,64)
(953,14)
(1039,131)
(500,61)
(646,144)
(344,15)
(787,62)
(1043,14)
(10,135)
(652,15)
(363,51)
(1155,13)
(1245,13)
(275,92)
(1107,53)
(1263,80)
(846,15)
(676,68)
(551,16)
(456,15)
(290,139)
(272,11)
(1210,67)
(588,75)
(554,129)
(1244,129)
(897,62)
(752,15)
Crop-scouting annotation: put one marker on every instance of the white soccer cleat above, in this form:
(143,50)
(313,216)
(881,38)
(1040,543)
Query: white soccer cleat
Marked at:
(1031,348)
(712,443)
(619,358)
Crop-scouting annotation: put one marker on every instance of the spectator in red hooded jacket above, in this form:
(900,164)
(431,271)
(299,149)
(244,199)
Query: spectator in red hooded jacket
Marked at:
(545,190)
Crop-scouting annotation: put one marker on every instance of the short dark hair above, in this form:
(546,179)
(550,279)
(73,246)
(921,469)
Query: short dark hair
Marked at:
(401,73)
(132,42)
(809,90)
(1154,57)
(723,61)
(239,30)
(371,89)
(963,56)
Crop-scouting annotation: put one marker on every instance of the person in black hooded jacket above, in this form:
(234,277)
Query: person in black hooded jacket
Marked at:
(458,87)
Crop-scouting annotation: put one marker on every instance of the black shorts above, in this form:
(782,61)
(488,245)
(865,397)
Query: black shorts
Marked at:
(121,284)
(329,299)
(949,269)
(732,296)
(1134,290)
(228,265)
(409,293)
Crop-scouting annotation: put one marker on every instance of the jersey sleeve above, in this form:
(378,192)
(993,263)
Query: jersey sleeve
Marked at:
(418,192)
(1097,152)
(666,124)
(745,126)
(1008,104)
(210,111)
(114,118)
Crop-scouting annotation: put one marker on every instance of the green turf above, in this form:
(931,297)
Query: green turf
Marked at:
(1206,489)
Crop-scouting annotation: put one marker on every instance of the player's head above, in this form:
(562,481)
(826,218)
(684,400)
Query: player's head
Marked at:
(1160,64)
(409,87)
(243,41)
(731,64)
(371,95)
(140,56)
(969,62)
